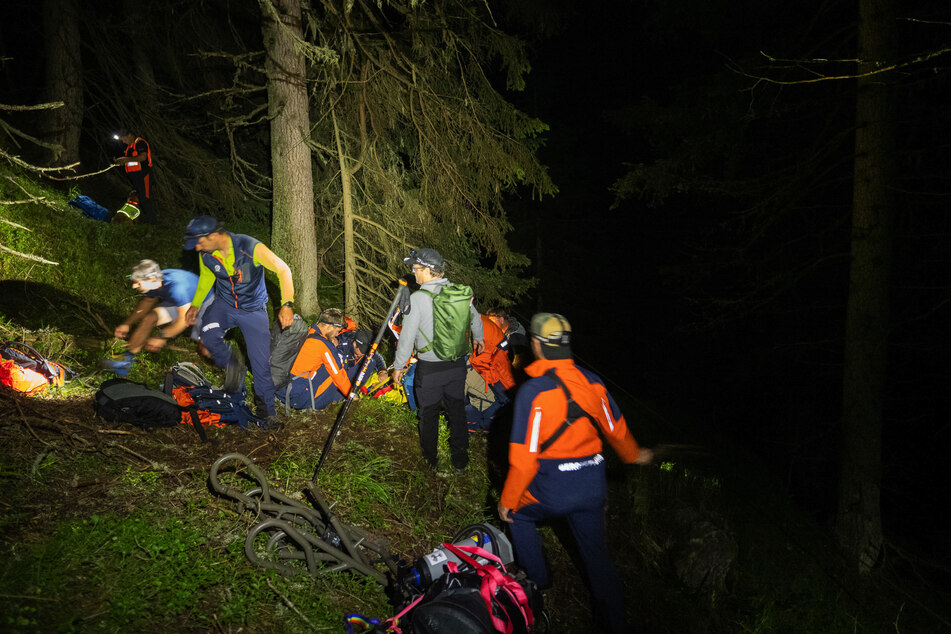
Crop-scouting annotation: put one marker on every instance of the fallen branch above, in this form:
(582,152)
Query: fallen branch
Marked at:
(28,256)
(136,454)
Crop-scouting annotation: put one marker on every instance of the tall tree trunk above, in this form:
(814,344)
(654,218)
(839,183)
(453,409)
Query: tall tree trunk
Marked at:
(349,249)
(858,520)
(64,79)
(293,235)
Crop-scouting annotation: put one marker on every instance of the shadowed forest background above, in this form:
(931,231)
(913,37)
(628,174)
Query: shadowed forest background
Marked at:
(740,206)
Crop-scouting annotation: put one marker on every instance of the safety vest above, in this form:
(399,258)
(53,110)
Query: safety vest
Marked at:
(130,210)
(136,166)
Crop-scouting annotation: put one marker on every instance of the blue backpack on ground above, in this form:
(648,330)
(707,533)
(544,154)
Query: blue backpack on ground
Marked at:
(90,208)
(231,409)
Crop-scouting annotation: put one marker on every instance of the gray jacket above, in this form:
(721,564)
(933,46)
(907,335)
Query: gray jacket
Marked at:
(419,321)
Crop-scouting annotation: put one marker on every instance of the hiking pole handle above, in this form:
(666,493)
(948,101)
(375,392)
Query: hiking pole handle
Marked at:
(355,387)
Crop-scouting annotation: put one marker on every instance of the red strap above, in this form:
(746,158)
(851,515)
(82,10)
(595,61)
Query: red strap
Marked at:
(494,580)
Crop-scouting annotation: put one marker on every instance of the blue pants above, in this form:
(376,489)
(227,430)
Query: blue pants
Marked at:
(579,495)
(218,319)
(482,419)
(299,394)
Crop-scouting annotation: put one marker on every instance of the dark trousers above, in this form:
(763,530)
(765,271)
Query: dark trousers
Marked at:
(143,187)
(579,496)
(218,319)
(442,385)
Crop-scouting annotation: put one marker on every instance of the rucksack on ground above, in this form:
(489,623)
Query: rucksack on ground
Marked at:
(285,344)
(185,373)
(26,370)
(122,401)
(90,208)
(474,597)
(187,385)
(451,322)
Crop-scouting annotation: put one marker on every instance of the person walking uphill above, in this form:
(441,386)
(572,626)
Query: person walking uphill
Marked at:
(440,381)
(555,464)
(137,161)
(231,265)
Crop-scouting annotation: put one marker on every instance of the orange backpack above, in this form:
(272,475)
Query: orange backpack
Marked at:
(26,370)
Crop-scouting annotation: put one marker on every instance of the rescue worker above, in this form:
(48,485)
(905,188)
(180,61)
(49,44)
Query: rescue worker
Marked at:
(555,464)
(318,377)
(439,384)
(167,296)
(495,371)
(137,162)
(231,267)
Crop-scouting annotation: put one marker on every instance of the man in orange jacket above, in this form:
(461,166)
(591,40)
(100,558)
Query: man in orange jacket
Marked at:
(555,464)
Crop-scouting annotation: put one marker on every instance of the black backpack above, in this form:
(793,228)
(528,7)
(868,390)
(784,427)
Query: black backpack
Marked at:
(285,344)
(123,401)
(475,598)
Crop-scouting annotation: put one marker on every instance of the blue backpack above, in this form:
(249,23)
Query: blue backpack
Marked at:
(231,409)
(90,208)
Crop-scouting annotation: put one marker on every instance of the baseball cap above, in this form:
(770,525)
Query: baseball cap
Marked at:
(425,257)
(551,329)
(199,228)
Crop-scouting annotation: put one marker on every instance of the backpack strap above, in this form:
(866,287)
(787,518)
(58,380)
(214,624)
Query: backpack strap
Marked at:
(429,344)
(575,412)
(193,413)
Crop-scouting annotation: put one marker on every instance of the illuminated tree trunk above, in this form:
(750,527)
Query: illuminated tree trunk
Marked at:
(293,233)
(64,79)
(349,249)
(858,521)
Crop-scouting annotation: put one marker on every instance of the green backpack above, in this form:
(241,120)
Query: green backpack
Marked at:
(451,322)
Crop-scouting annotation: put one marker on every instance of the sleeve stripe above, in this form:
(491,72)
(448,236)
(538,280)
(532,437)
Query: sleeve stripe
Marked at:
(536,425)
(330,362)
(607,414)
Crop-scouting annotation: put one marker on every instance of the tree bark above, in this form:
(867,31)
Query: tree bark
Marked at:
(858,523)
(64,79)
(293,226)
(349,249)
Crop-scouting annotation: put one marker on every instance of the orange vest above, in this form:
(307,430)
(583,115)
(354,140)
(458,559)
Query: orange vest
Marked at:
(136,166)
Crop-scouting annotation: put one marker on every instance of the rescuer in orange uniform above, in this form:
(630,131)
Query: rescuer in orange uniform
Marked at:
(555,464)
(137,161)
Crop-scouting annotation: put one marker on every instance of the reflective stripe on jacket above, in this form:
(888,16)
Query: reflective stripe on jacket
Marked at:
(136,150)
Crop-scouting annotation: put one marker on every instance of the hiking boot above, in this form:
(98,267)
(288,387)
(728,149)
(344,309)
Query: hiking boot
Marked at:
(273,423)
(119,364)
(235,372)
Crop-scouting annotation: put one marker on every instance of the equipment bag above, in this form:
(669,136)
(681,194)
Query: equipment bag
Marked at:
(26,370)
(285,344)
(216,407)
(473,597)
(185,374)
(90,208)
(123,401)
(128,212)
(190,388)
(451,322)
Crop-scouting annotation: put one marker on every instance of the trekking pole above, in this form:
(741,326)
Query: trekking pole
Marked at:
(358,382)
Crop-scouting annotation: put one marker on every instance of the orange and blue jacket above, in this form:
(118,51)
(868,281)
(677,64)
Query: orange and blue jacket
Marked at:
(493,363)
(541,408)
(320,361)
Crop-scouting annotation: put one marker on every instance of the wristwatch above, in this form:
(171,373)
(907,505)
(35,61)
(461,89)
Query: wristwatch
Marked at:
(291,304)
